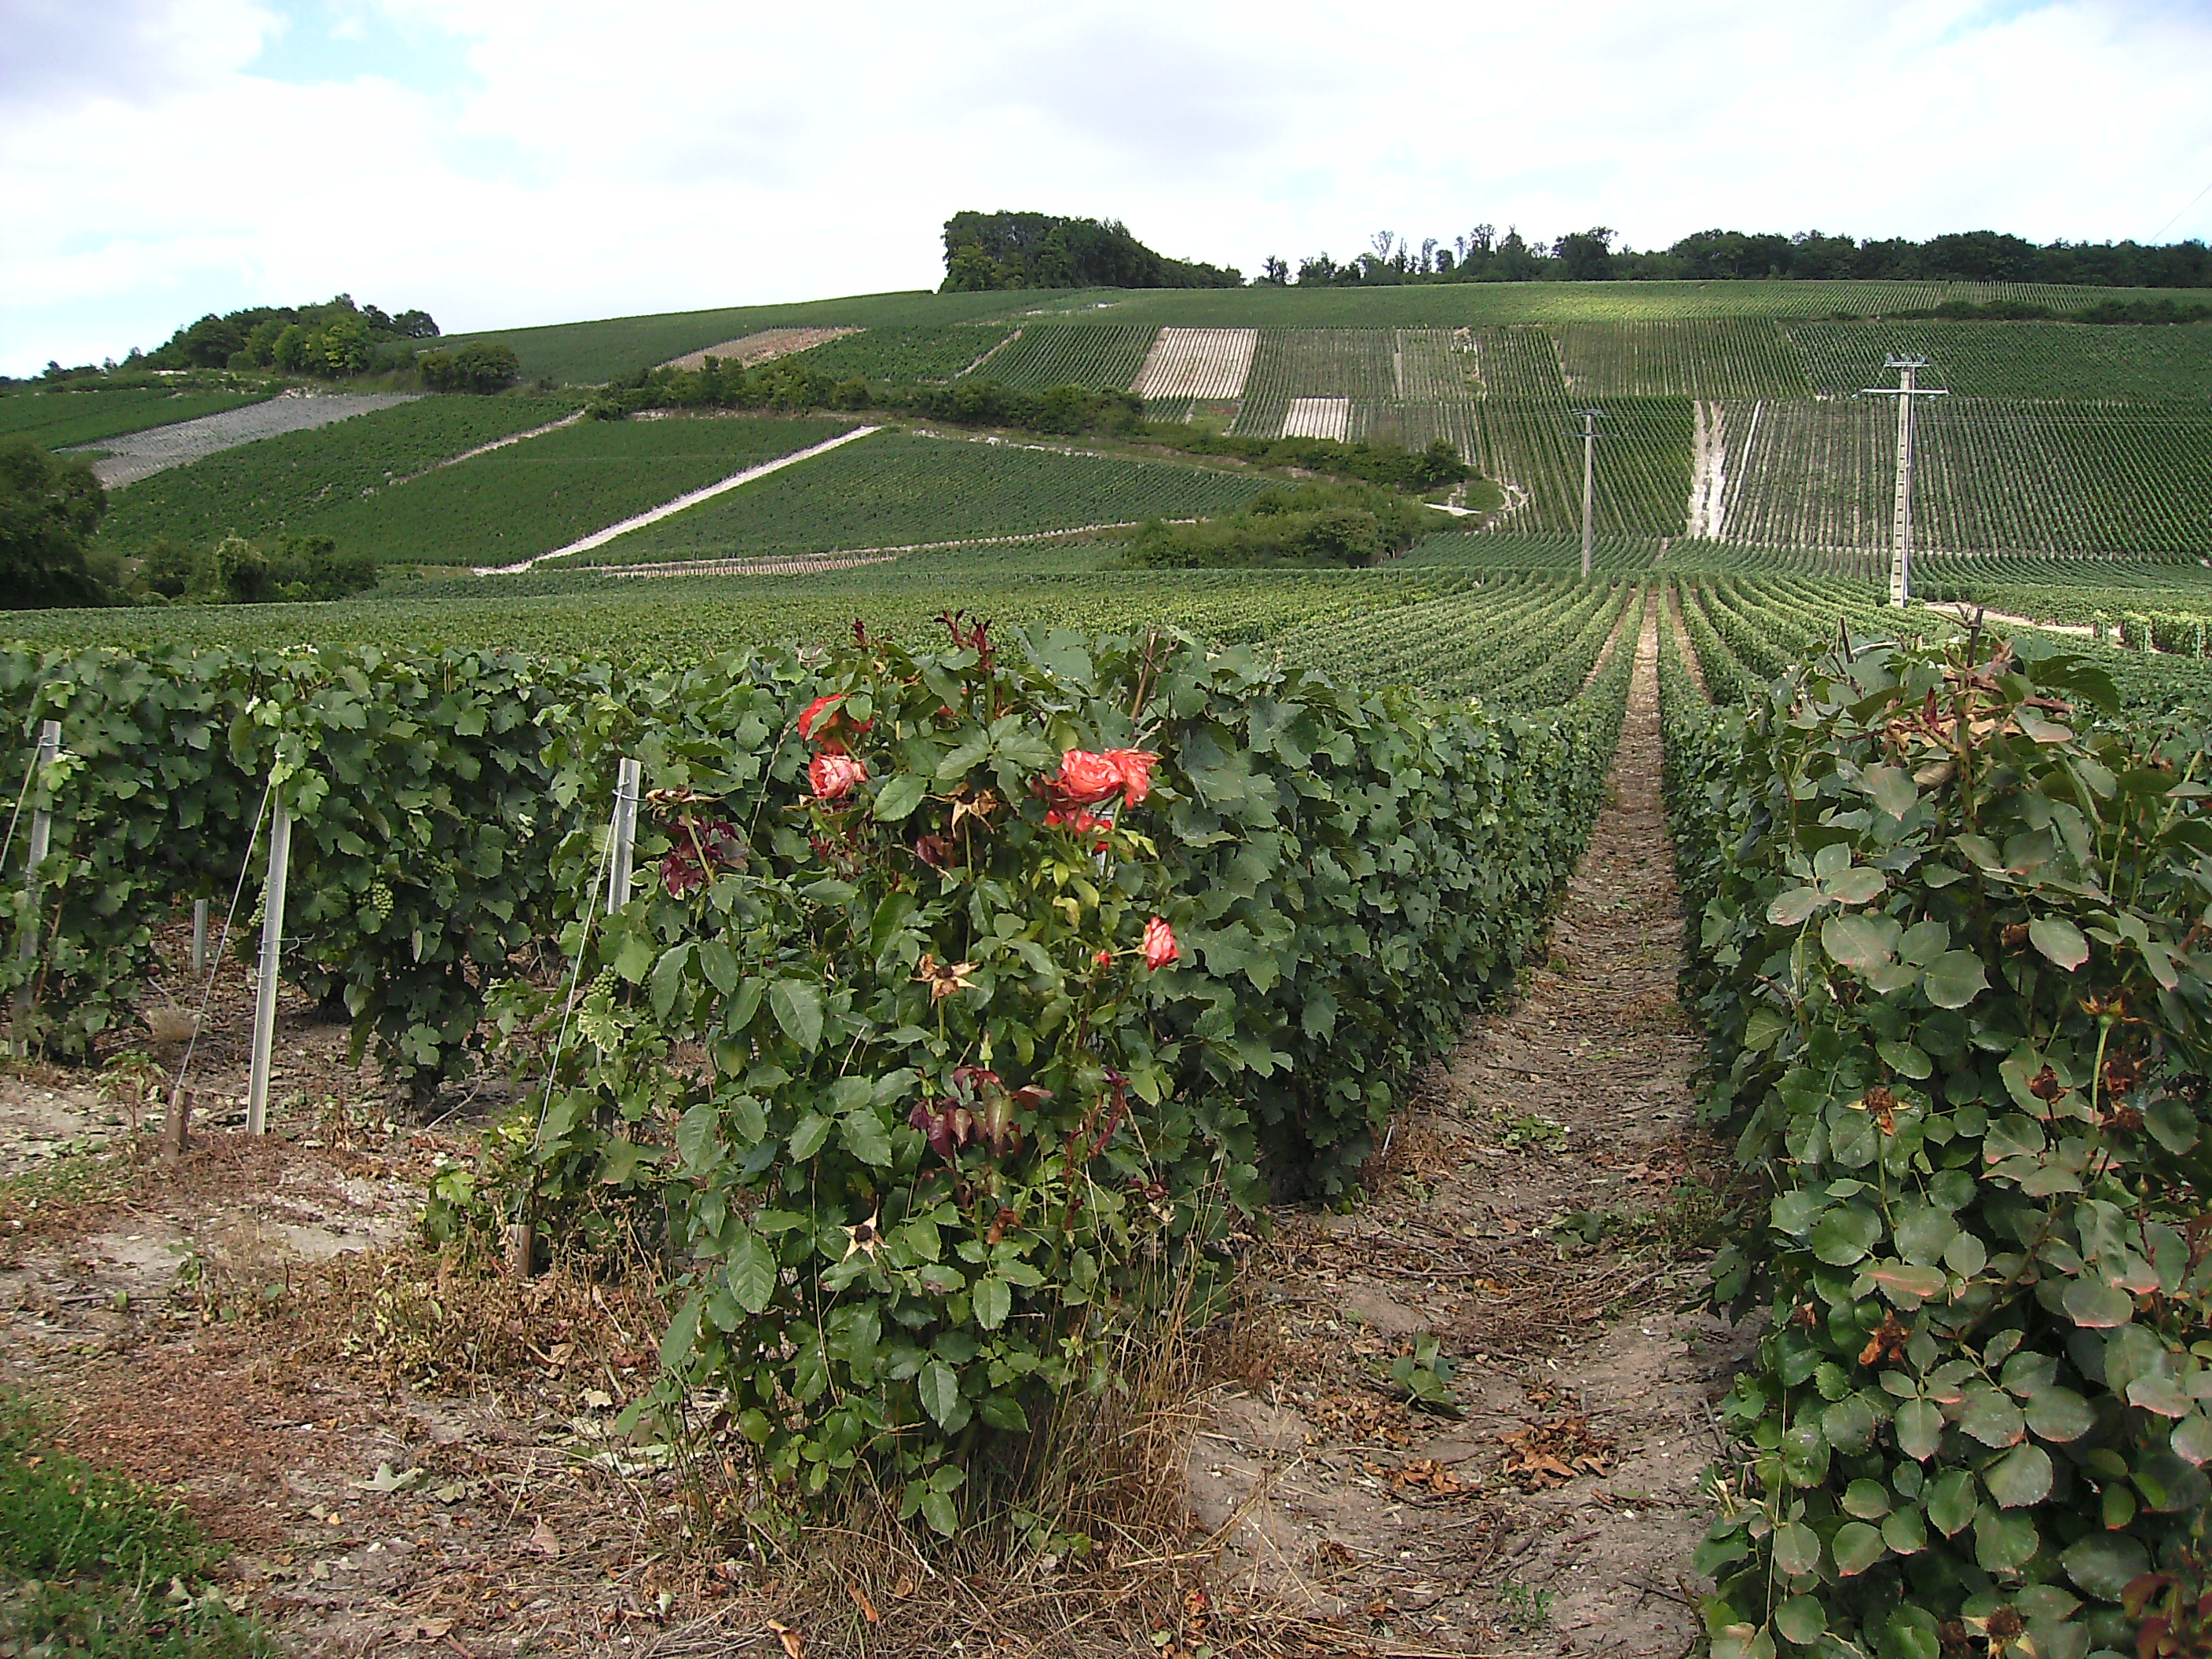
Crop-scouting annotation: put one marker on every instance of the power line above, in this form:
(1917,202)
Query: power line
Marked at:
(2191,203)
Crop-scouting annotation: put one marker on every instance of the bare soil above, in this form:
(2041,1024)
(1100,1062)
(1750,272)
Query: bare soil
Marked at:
(749,350)
(1542,1213)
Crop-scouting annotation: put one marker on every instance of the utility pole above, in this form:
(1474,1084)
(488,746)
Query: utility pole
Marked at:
(1590,418)
(1900,521)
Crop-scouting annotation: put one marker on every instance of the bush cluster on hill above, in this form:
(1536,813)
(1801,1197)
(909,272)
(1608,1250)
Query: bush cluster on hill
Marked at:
(984,251)
(2027,311)
(484,366)
(1316,524)
(337,338)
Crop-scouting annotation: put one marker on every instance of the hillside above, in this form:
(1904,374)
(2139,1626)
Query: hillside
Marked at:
(1731,413)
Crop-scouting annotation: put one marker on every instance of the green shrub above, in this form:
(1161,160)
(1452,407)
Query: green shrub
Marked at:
(1312,524)
(1949,928)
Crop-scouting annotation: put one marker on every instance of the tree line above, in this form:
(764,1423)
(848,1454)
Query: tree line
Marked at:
(985,250)
(1592,256)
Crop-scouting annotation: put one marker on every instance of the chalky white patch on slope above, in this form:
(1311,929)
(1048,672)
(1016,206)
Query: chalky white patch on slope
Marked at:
(1708,477)
(1198,363)
(136,455)
(1318,418)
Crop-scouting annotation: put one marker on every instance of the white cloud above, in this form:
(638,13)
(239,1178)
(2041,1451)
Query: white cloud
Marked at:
(501,163)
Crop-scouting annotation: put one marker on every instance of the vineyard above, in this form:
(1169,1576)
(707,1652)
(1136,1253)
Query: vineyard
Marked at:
(1971,1079)
(908,355)
(826,821)
(899,489)
(592,352)
(886,1027)
(1050,354)
(58,420)
(279,481)
(1737,422)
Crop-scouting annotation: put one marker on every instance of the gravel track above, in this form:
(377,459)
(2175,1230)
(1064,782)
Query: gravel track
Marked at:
(137,455)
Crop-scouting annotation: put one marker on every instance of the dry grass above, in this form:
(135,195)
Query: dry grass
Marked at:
(1084,1547)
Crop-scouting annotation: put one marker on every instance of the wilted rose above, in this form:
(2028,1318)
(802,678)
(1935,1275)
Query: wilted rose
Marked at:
(948,1126)
(832,774)
(1160,946)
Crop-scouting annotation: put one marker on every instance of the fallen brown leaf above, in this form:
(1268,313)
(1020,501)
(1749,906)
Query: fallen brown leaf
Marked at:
(867,1607)
(544,1540)
(794,1644)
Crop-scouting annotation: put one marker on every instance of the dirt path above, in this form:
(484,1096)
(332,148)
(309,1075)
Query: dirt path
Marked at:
(1539,1212)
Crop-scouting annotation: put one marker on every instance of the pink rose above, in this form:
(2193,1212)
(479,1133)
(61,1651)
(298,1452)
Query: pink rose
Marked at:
(1160,946)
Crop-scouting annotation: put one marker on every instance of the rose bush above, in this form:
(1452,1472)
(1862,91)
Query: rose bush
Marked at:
(938,1078)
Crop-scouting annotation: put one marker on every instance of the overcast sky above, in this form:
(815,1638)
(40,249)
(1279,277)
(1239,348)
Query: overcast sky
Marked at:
(502,162)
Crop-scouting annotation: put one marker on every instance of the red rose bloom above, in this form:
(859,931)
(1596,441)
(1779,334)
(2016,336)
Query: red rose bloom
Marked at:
(1160,946)
(821,717)
(1085,778)
(832,774)
(1134,768)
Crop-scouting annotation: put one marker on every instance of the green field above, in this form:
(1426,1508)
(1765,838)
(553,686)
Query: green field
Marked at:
(1456,614)
(281,483)
(899,489)
(584,353)
(531,497)
(908,355)
(56,420)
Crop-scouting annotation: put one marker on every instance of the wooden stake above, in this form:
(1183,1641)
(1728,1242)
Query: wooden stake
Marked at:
(176,1128)
(199,939)
(521,1250)
(629,776)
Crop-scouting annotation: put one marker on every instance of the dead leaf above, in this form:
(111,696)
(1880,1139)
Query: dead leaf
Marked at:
(429,1629)
(867,1607)
(1551,1454)
(794,1644)
(542,1539)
